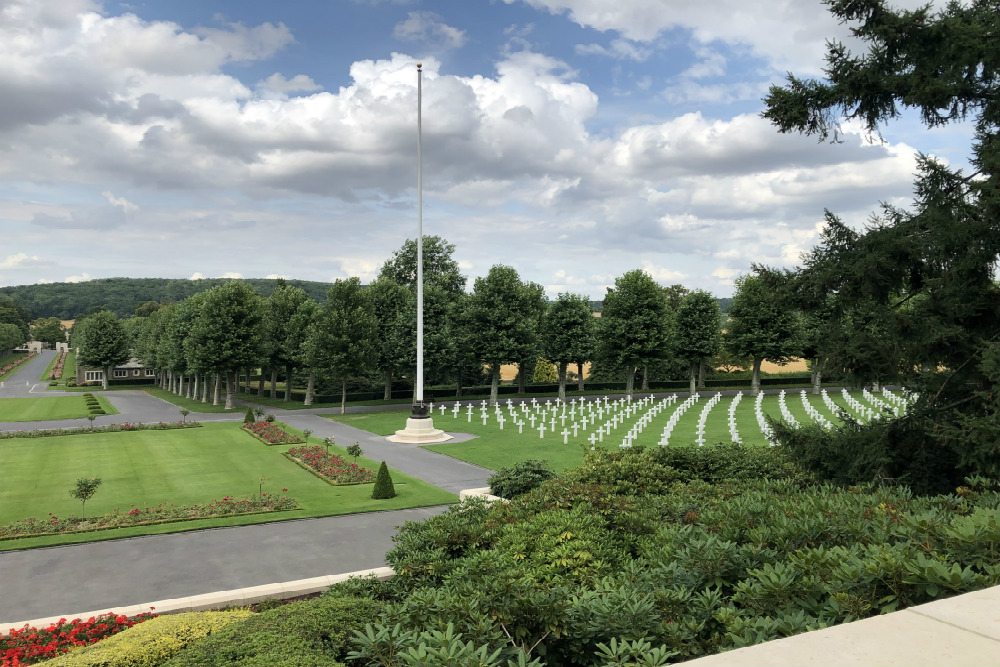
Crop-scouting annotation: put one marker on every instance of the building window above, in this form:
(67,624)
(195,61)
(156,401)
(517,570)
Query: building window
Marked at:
(136,372)
(150,372)
(95,376)
(120,373)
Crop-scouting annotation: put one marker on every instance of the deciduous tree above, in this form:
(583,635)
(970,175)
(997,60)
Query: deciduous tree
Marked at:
(699,331)
(567,334)
(103,343)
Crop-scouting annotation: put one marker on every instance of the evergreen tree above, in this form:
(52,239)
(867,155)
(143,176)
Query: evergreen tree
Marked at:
(384,488)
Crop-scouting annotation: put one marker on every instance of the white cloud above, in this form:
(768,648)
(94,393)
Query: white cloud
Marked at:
(428,28)
(275,276)
(279,84)
(662,274)
(82,278)
(125,205)
(197,275)
(235,275)
(620,49)
(21,261)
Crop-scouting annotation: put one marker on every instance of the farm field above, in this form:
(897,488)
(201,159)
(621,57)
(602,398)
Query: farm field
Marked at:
(49,407)
(145,468)
(495,447)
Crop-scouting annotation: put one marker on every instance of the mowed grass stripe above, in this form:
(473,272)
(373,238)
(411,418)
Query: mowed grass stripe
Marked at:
(146,468)
(45,408)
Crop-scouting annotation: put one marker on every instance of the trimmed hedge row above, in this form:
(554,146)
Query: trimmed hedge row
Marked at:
(151,643)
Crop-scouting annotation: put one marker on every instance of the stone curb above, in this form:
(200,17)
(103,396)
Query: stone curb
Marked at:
(206,601)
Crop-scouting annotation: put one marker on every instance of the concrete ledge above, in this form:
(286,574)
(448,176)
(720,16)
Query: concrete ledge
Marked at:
(484,492)
(233,598)
(963,631)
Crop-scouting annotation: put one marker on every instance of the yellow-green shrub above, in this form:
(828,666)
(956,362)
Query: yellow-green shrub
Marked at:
(151,643)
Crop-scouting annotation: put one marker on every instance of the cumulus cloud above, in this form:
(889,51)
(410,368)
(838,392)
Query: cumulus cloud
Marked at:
(428,28)
(232,274)
(21,260)
(197,275)
(82,278)
(279,84)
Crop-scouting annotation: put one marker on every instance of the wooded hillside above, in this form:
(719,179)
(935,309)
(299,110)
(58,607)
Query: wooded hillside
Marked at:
(122,295)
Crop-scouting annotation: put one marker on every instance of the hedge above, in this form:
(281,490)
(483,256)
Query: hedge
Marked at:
(151,643)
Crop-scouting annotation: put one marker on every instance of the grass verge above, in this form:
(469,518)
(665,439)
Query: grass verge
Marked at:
(46,408)
(145,468)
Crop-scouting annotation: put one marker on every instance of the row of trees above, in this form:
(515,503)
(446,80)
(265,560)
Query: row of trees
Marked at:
(14,320)
(202,344)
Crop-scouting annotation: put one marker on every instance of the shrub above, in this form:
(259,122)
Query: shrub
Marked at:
(308,633)
(519,478)
(28,645)
(249,418)
(383,484)
(153,642)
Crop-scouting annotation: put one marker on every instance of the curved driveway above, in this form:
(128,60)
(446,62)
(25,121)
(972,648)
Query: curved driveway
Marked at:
(52,581)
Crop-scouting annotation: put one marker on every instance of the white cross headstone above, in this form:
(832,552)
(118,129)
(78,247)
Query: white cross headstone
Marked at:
(575,428)
(501,420)
(454,412)
(469,406)
(593,439)
(532,419)
(443,408)
(541,430)
(565,435)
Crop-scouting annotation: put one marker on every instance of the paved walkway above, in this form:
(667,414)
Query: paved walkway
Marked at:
(25,380)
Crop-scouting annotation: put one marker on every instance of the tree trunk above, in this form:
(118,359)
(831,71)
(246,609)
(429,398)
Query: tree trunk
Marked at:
(289,369)
(191,381)
(274,382)
(387,393)
(755,380)
(701,374)
(520,376)
(260,384)
(216,394)
(645,378)
(343,397)
(104,380)
(694,377)
(562,380)
(230,390)
(310,388)
(579,376)
(163,379)
(817,374)
(196,386)
(458,384)
(494,384)
(630,381)
(204,387)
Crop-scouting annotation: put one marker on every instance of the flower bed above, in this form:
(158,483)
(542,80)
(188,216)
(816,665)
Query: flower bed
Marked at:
(142,516)
(270,434)
(57,370)
(14,364)
(30,645)
(110,428)
(330,467)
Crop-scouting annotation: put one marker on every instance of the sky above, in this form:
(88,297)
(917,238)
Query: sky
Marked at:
(574,140)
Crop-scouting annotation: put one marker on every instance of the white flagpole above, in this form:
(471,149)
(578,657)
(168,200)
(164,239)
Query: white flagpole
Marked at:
(419,388)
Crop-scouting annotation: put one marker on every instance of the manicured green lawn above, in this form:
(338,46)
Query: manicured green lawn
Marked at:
(145,468)
(192,405)
(495,448)
(48,407)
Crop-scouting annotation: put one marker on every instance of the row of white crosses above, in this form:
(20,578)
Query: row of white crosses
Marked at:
(813,413)
(655,408)
(703,417)
(734,434)
(758,411)
(900,402)
(786,414)
(865,413)
(675,417)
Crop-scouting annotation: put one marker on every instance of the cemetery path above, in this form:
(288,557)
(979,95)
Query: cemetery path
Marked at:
(59,580)
(25,378)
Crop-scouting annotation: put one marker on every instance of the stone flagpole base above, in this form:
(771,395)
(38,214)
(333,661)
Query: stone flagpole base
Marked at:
(419,429)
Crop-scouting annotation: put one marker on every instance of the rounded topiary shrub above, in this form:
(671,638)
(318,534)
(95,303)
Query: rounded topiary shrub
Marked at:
(383,484)
(520,478)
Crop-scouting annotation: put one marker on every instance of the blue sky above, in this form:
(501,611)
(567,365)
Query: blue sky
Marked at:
(572,139)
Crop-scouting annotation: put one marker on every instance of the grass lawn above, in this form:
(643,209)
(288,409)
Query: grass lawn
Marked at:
(45,408)
(495,448)
(145,468)
(192,405)
(4,360)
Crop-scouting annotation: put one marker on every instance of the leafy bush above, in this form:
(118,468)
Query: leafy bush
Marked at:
(519,478)
(153,642)
(308,633)
(383,484)
(28,645)
(249,418)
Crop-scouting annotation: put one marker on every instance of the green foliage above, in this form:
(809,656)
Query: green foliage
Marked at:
(519,478)
(544,373)
(85,487)
(102,342)
(341,342)
(249,417)
(309,633)
(762,324)
(635,325)
(383,484)
(914,298)
(48,330)
(439,266)
(11,336)
(153,642)
(355,451)
(395,647)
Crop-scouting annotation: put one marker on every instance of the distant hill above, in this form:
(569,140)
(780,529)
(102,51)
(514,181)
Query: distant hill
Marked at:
(122,295)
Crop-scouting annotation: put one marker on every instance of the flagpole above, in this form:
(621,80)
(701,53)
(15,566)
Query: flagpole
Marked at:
(419,388)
